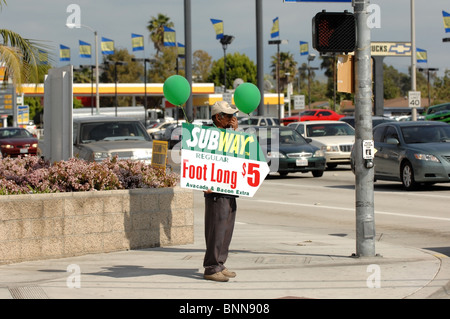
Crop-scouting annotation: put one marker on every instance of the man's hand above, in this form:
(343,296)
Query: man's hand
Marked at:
(234,123)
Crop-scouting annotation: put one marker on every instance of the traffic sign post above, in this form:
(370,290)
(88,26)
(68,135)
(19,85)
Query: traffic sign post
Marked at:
(414,98)
(299,102)
(364,173)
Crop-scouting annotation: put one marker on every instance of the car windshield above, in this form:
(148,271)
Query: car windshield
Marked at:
(445,107)
(112,131)
(426,134)
(14,133)
(280,136)
(331,129)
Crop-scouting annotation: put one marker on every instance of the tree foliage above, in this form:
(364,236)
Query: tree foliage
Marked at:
(238,66)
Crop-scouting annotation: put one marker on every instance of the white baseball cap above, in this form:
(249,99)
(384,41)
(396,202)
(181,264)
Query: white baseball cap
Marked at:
(223,107)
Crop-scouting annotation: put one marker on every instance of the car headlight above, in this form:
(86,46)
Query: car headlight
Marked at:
(319,153)
(34,145)
(330,148)
(101,155)
(7,146)
(142,154)
(427,157)
(275,154)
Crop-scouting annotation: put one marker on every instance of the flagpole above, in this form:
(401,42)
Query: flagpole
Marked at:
(97,93)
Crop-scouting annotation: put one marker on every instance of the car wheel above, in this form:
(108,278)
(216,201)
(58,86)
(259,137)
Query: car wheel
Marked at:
(331,165)
(407,176)
(317,173)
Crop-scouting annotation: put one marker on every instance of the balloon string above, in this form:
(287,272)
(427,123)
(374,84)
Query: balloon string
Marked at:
(185,116)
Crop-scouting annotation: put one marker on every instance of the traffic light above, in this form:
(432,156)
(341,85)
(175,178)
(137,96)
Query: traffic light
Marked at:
(334,32)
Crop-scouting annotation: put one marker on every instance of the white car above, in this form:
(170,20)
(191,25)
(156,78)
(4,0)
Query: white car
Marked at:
(335,138)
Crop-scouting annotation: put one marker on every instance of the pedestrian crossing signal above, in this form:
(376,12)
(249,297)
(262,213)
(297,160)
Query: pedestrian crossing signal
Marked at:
(334,32)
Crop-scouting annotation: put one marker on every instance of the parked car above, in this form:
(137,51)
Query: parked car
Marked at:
(375,120)
(290,150)
(412,153)
(17,141)
(99,138)
(440,112)
(335,138)
(396,113)
(171,134)
(31,127)
(156,127)
(258,120)
(313,115)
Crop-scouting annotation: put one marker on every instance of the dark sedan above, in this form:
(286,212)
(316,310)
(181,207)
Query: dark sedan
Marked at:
(17,141)
(287,151)
(413,153)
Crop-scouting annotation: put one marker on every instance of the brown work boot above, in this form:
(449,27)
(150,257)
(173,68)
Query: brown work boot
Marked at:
(229,274)
(218,276)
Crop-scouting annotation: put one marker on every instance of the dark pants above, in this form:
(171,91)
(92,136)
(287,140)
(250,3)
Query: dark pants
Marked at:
(220,214)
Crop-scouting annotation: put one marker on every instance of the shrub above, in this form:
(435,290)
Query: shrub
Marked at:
(34,175)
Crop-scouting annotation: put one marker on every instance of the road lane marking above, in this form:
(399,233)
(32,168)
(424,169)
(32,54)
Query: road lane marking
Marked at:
(413,194)
(350,209)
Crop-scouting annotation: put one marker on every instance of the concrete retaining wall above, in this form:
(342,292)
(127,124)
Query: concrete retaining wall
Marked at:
(44,226)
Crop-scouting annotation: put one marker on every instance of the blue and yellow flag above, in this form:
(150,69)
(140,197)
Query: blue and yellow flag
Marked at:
(181,50)
(107,46)
(275,28)
(218,27)
(304,49)
(85,49)
(421,56)
(64,53)
(169,37)
(137,42)
(43,57)
(446,17)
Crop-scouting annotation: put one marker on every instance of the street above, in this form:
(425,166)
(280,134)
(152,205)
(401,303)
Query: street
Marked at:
(326,206)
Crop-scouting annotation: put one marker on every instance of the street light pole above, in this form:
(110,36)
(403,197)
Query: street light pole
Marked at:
(145,84)
(116,63)
(428,70)
(413,55)
(277,43)
(97,92)
(225,41)
(311,58)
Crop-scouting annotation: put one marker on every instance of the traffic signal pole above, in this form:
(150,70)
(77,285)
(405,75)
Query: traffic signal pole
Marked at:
(364,172)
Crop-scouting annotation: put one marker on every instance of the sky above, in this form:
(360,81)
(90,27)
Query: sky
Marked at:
(45,20)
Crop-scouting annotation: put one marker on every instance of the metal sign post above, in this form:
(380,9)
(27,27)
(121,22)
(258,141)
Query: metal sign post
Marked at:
(365,222)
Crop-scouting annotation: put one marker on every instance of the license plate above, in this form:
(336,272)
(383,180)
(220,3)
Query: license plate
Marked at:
(301,162)
(24,150)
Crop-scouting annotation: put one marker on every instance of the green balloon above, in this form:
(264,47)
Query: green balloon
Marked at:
(177,90)
(247,97)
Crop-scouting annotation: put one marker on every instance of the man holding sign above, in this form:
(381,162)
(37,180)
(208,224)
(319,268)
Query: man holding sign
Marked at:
(225,164)
(220,210)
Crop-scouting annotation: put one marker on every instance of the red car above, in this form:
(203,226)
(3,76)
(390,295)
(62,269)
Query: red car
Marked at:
(15,141)
(313,115)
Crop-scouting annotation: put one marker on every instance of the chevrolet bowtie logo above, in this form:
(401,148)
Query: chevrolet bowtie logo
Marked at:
(400,48)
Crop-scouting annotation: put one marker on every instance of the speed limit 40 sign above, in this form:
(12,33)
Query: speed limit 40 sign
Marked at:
(414,99)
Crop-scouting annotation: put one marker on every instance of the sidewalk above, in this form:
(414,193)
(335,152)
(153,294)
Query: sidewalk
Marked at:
(270,263)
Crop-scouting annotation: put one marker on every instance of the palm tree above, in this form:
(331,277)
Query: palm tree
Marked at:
(19,56)
(287,65)
(156,28)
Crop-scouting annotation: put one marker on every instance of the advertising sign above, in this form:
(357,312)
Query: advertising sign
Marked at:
(224,161)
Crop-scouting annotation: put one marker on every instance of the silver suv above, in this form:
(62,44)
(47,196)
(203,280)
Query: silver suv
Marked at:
(99,138)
